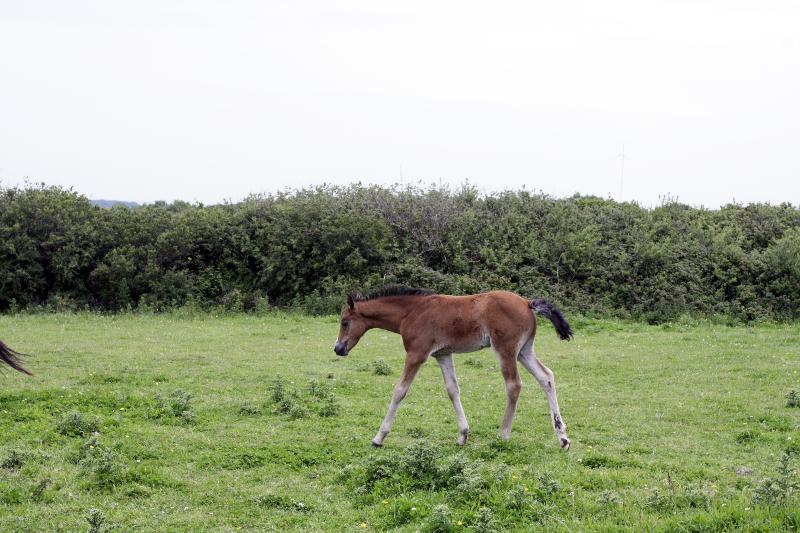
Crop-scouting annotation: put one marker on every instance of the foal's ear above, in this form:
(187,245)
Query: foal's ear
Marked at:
(352,298)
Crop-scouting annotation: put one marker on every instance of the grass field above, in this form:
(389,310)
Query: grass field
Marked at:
(174,423)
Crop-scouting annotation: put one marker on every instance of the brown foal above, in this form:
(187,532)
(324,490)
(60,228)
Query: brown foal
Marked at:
(439,326)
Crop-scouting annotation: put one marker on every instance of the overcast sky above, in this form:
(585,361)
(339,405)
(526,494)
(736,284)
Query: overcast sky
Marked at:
(210,100)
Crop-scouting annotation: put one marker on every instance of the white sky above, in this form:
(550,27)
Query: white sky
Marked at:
(210,100)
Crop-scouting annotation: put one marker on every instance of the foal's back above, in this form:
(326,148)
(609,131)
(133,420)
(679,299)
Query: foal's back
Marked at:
(454,324)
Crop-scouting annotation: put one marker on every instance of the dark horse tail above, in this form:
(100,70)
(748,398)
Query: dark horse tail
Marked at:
(12,358)
(550,311)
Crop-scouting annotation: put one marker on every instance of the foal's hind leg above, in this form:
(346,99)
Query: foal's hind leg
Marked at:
(546,379)
(449,375)
(508,368)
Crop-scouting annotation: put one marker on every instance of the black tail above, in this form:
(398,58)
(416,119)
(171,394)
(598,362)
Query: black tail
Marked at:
(550,311)
(12,358)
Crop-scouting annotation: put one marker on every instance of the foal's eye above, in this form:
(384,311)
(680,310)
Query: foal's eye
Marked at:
(345,323)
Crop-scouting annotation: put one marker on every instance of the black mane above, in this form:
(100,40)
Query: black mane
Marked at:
(392,290)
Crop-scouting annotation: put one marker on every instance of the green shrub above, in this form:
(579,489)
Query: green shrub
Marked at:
(440,520)
(100,467)
(792,399)
(419,460)
(778,490)
(484,521)
(13,461)
(378,467)
(381,368)
(177,405)
(277,390)
(249,409)
(97,521)
(306,248)
(548,486)
(330,407)
(75,424)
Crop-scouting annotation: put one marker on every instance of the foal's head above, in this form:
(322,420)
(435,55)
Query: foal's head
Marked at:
(352,326)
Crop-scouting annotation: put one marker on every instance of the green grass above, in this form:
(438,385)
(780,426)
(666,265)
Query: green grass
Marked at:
(175,423)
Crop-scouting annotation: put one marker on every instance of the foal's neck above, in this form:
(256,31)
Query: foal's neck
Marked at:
(388,313)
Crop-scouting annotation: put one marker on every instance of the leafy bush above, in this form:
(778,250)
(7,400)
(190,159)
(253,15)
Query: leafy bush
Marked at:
(249,409)
(484,521)
(792,399)
(440,520)
(176,405)
(97,521)
(13,461)
(306,248)
(419,460)
(279,501)
(100,467)
(76,424)
(277,390)
(778,490)
(548,486)
(330,407)
(287,400)
(381,368)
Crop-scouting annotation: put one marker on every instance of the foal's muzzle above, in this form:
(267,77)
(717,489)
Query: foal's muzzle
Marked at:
(340,348)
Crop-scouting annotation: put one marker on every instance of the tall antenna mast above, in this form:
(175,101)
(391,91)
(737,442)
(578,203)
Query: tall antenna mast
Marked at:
(621,171)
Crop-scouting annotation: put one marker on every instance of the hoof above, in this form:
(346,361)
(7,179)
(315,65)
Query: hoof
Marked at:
(462,438)
(377,444)
(564,443)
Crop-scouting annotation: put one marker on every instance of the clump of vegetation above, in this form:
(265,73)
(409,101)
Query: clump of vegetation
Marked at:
(319,390)
(97,521)
(690,497)
(792,399)
(464,478)
(440,520)
(277,390)
(177,405)
(484,521)
(100,466)
(75,424)
(419,460)
(296,411)
(519,498)
(13,460)
(747,436)
(778,490)
(289,401)
(279,501)
(420,466)
(381,368)
(548,486)
(474,362)
(378,467)
(249,409)
(38,490)
(609,498)
(330,407)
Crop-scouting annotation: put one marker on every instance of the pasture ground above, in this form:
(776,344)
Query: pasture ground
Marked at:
(174,423)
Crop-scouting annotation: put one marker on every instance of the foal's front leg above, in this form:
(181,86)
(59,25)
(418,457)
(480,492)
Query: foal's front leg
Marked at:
(409,372)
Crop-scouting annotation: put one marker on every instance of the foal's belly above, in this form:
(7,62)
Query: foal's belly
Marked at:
(465,345)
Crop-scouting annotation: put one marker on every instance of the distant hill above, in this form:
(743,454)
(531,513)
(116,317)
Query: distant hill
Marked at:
(108,204)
